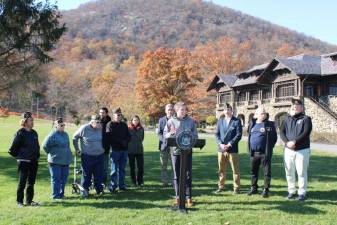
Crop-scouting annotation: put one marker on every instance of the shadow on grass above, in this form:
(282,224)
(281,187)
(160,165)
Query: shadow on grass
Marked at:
(204,184)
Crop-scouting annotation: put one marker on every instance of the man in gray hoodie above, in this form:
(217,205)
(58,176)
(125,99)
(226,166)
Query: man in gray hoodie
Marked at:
(92,154)
(175,125)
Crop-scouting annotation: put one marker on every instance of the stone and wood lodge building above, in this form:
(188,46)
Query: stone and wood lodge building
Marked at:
(313,79)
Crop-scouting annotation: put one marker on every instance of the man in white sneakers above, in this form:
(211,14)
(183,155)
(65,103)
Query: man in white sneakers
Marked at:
(295,133)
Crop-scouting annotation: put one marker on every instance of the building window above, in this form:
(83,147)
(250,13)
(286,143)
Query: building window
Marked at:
(242,96)
(225,97)
(333,90)
(266,93)
(285,90)
(254,95)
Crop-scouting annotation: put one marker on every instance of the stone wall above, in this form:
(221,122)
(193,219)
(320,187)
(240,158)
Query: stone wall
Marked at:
(321,120)
(328,124)
(332,102)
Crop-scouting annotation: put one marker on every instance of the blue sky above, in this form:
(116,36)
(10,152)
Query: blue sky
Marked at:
(313,18)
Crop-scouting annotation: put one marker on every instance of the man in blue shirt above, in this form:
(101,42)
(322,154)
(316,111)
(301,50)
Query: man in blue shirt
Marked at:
(262,137)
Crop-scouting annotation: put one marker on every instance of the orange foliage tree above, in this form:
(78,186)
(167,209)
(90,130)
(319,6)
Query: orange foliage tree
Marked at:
(165,76)
(226,55)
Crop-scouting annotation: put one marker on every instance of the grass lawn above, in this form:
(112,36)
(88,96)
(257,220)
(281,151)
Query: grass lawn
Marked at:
(152,204)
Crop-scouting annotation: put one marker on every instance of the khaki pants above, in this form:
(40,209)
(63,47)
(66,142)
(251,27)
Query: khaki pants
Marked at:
(223,159)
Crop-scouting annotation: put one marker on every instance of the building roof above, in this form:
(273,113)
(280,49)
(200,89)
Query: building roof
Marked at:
(221,80)
(302,65)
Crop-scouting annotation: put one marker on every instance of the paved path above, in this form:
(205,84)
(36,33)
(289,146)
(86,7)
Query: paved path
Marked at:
(315,146)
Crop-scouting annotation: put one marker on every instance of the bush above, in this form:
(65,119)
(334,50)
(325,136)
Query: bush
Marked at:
(77,121)
(323,137)
(211,120)
(201,131)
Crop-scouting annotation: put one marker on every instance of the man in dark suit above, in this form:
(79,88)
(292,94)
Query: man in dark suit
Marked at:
(262,137)
(164,150)
(228,134)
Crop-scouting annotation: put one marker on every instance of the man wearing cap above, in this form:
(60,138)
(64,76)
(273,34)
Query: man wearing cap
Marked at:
(164,150)
(117,139)
(92,154)
(295,133)
(25,147)
(262,137)
(228,134)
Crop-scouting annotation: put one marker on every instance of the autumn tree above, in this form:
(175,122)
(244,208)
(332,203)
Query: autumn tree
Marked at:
(226,56)
(164,76)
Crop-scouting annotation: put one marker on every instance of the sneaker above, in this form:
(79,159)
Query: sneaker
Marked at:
(252,192)
(85,193)
(100,193)
(236,192)
(265,193)
(141,184)
(112,190)
(189,203)
(290,196)
(33,204)
(220,190)
(20,204)
(301,198)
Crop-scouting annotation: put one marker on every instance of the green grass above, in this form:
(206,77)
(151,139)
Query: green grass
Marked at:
(152,204)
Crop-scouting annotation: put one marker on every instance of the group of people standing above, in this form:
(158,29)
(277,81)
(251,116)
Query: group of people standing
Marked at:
(101,140)
(106,139)
(262,136)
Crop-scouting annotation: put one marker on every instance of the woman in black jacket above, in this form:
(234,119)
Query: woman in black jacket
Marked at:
(26,149)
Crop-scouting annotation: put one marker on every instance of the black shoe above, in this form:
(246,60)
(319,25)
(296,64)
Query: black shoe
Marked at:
(290,196)
(122,189)
(252,192)
(265,193)
(301,198)
(20,204)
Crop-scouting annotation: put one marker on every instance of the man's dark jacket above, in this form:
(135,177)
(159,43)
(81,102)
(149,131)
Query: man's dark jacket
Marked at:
(271,137)
(297,128)
(231,135)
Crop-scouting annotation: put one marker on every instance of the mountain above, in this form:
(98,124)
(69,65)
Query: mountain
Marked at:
(149,24)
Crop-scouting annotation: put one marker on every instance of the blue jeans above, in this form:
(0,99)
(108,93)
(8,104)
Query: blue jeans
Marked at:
(59,176)
(92,165)
(118,164)
(106,168)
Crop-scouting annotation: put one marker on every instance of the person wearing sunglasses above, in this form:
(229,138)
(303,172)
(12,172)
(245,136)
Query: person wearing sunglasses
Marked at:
(92,154)
(57,147)
(25,147)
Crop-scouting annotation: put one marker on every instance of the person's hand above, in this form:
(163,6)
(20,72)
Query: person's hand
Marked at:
(226,147)
(173,131)
(291,144)
(222,146)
